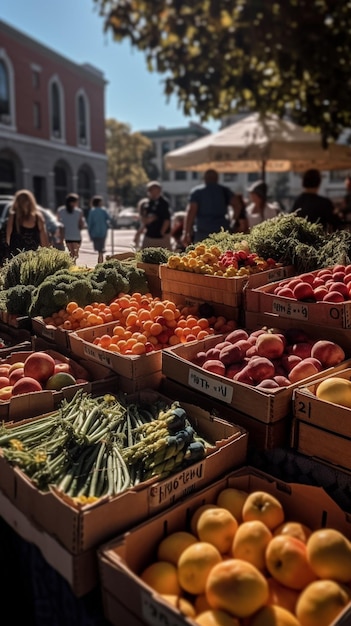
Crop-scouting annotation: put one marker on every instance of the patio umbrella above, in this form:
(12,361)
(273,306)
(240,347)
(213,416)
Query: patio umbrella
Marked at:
(259,144)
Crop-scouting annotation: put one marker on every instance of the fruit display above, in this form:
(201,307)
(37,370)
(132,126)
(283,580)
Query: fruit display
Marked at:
(92,447)
(212,261)
(142,323)
(37,371)
(242,562)
(325,285)
(269,358)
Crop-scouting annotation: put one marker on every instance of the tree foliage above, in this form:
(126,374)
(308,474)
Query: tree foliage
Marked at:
(221,56)
(128,158)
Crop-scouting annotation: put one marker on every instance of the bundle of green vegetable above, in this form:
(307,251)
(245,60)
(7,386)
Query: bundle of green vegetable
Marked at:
(153,255)
(290,240)
(95,447)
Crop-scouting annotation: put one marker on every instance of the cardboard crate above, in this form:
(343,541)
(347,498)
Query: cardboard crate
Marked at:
(58,337)
(122,559)
(78,528)
(229,312)
(322,429)
(263,300)
(261,436)
(265,405)
(220,289)
(80,571)
(36,403)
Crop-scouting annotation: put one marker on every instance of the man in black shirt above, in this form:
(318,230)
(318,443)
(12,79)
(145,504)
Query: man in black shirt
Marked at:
(155,219)
(312,206)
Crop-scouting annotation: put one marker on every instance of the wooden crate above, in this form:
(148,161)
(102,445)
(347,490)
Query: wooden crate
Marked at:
(321,444)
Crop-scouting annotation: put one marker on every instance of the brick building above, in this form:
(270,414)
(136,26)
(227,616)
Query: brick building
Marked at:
(52,122)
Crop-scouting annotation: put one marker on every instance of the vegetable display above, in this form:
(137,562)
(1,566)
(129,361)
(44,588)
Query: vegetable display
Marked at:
(94,447)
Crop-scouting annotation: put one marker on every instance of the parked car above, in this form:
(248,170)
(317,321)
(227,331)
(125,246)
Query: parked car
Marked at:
(126,218)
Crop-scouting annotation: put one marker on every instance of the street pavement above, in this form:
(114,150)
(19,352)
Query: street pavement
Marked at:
(118,240)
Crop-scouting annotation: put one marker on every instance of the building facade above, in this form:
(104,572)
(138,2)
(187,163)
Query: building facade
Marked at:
(52,122)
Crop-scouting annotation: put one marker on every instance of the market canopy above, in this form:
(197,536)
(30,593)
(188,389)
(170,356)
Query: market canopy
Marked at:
(259,144)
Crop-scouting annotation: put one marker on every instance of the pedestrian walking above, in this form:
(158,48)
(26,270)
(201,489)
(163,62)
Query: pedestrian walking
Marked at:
(98,223)
(72,218)
(314,207)
(207,210)
(259,209)
(25,228)
(155,219)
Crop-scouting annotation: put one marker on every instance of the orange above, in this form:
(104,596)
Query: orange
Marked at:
(203,322)
(118,330)
(144,315)
(78,313)
(194,565)
(156,329)
(173,340)
(138,348)
(132,319)
(71,306)
(168,314)
(114,348)
(202,334)
(190,337)
(162,576)
(105,341)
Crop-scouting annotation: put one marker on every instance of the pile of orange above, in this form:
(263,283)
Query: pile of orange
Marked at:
(143,323)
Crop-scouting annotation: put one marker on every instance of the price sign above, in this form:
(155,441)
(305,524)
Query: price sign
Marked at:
(295,310)
(214,388)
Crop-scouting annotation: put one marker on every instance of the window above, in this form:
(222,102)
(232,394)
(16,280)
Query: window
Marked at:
(195,175)
(338,176)
(83,124)
(7,90)
(36,115)
(61,184)
(7,176)
(180,175)
(56,104)
(229,178)
(86,186)
(252,177)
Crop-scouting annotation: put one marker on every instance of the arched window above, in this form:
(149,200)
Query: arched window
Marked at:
(7,94)
(56,103)
(83,119)
(7,176)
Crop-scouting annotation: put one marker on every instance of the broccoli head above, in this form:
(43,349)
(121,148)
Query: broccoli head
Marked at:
(137,281)
(19,299)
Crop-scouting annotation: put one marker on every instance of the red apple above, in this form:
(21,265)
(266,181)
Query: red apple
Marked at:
(40,366)
(320,292)
(308,277)
(26,385)
(4,381)
(338,276)
(16,375)
(318,282)
(62,367)
(286,292)
(328,353)
(4,369)
(303,291)
(334,296)
(339,286)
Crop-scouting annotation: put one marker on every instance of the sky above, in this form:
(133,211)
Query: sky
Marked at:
(74,29)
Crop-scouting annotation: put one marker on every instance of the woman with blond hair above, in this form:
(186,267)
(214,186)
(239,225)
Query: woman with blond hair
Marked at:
(25,229)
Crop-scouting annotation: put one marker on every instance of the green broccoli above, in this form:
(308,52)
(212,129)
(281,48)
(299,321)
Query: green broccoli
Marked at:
(19,299)
(137,281)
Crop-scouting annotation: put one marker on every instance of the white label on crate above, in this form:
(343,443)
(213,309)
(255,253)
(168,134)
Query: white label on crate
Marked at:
(214,388)
(296,310)
(97,355)
(275,274)
(176,486)
(155,614)
(48,333)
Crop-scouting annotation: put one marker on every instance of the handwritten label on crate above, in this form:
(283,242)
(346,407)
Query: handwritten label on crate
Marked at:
(276,274)
(296,310)
(214,388)
(176,486)
(97,355)
(303,408)
(156,614)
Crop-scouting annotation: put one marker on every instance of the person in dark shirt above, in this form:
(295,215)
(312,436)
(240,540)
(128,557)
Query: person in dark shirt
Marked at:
(314,207)
(155,219)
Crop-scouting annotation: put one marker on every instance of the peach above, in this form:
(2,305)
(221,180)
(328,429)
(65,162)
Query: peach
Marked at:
(6,393)
(333,296)
(4,381)
(235,335)
(270,345)
(287,562)
(303,291)
(40,366)
(195,565)
(320,293)
(217,527)
(250,542)
(295,335)
(4,369)
(232,353)
(342,288)
(328,353)
(259,368)
(16,375)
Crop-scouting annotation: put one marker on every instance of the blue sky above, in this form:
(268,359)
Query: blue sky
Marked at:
(74,29)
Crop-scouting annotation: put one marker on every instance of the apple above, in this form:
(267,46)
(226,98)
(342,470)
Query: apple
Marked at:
(59,380)
(301,349)
(268,383)
(4,369)
(320,603)
(214,365)
(261,505)
(26,384)
(320,293)
(289,361)
(62,367)
(6,393)
(286,292)
(333,296)
(235,335)
(303,291)
(15,366)
(16,375)
(302,370)
(307,278)
(328,353)
(270,345)
(250,542)
(329,554)
(259,367)
(200,358)
(4,381)
(40,366)
(287,562)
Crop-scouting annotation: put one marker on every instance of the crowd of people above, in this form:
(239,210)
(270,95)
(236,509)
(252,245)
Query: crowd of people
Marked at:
(211,207)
